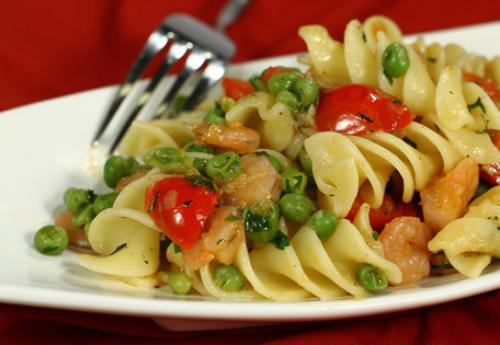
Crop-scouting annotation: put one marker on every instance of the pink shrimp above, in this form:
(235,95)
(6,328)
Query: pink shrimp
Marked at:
(446,198)
(405,243)
(222,240)
(257,181)
(233,136)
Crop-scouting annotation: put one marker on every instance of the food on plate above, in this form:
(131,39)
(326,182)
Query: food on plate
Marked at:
(374,166)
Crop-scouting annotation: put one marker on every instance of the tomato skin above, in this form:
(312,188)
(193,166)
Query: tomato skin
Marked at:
(236,88)
(270,71)
(487,84)
(180,208)
(389,210)
(356,109)
(491,173)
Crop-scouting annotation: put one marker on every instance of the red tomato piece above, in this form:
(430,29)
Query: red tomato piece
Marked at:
(270,71)
(356,109)
(180,208)
(236,88)
(487,84)
(389,210)
(491,173)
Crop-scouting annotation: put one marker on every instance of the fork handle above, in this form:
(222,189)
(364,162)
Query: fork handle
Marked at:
(229,13)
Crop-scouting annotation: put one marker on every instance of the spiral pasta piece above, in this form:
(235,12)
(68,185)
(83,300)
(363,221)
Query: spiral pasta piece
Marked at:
(272,120)
(344,165)
(124,236)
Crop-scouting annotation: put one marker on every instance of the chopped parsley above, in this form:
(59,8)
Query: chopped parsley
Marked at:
(432,59)
(280,241)
(187,203)
(364,37)
(199,180)
(154,202)
(410,142)
(477,103)
(365,117)
(120,247)
(231,218)
(396,101)
(177,249)
(375,235)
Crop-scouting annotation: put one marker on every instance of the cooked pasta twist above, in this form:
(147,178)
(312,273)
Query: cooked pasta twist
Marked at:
(344,165)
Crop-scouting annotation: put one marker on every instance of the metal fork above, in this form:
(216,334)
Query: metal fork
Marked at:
(207,51)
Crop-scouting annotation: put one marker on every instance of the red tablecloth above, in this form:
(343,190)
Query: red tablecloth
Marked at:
(51,48)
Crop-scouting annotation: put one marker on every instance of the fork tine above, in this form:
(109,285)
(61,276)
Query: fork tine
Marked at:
(155,43)
(194,62)
(177,51)
(211,75)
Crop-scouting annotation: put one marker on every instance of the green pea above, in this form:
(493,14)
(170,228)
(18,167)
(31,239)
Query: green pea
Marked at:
(395,61)
(179,282)
(296,207)
(305,161)
(85,216)
(324,223)
(281,82)
(289,99)
(275,162)
(104,201)
(293,181)
(76,199)
(257,83)
(117,167)
(308,91)
(215,116)
(228,278)
(192,147)
(262,220)
(51,240)
(226,103)
(371,278)
(169,160)
(224,167)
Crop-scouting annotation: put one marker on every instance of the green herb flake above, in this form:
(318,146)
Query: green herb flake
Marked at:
(187,203)
(375,235)
(154,203)
(280,241)
(220,241)
(146,262)
(477,103)
(199,180)
(177,249)
(120,247)
(432,59)
(231,218)
(396,101)
(410,142)
(365,117)
(364,37)
(450,92)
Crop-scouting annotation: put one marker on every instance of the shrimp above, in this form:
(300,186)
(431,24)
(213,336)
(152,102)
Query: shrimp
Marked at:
(233,136)
(405,243)
(446,198)
(225,234)
(257,181)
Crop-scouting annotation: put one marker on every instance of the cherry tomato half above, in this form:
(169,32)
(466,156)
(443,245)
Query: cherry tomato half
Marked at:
(357,109)
(491,173)
(487,84)
(389,210)
(236,88)
(180,208)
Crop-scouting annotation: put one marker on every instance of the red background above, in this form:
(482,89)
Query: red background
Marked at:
(56,47)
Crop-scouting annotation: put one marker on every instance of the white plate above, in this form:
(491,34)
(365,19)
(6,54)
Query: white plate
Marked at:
(45,148)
